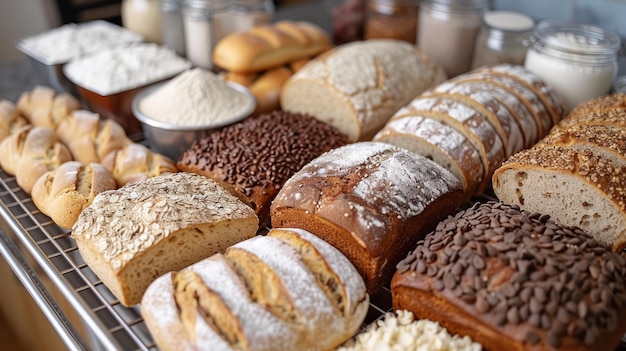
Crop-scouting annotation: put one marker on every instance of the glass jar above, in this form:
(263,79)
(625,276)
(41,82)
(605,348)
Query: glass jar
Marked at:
(578,60)
(392,19)
(252,13)
(199,33)
(447,31)
(223,18)
(143,17)
(502,38)
(172,30)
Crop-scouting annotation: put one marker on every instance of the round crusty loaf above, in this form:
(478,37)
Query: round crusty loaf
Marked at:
(282,291)
(515,280)
(357,87)
(371,200)
(63,193)
(577,186)
(10,119)
(89,137)
(135,162)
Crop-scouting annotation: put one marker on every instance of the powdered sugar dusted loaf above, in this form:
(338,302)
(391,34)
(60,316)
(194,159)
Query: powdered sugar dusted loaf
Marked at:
(370,200)
(276,292)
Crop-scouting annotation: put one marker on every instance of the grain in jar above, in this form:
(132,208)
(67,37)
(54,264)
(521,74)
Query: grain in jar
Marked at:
(392,19)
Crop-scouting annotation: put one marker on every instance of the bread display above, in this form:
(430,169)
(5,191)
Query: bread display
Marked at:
(358,86)
(283,291)
(30,152)
(45,107)
(372,201)
(90,138)
(63,193)
(515,280)
(132,235)
(269,46)
(255,157)
(10,119)
(135,162)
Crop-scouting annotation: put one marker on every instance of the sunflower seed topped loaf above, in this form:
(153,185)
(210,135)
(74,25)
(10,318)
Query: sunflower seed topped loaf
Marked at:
(371,200)
(604,110)
(358,86)
(515,280)
(132,235)
(255,157)
(288,290)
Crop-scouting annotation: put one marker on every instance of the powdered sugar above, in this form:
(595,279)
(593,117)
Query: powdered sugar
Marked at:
(72,41)
(121,69)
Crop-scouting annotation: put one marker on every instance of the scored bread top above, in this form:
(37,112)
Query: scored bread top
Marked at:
(126,221)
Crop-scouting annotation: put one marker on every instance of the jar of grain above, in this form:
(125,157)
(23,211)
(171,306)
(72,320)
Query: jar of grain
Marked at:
(392,19)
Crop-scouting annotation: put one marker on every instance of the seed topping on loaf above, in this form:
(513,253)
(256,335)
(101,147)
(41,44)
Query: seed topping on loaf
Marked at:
(130,219)
(517,268)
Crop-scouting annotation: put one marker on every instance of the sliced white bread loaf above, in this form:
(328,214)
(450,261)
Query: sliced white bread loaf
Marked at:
(576,187)
(357,87)
(439,142)
(282,291)
(132,235)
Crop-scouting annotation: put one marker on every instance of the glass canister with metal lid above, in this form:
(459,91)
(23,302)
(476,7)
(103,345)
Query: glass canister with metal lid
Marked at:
(252,13)
(578,60)
(199,32)
(392,19)
(172,28)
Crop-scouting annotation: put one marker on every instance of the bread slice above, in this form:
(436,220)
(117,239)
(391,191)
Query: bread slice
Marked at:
(226,302)
(370,200)
(357,87)
(439,142)
(577,187)
(132,235)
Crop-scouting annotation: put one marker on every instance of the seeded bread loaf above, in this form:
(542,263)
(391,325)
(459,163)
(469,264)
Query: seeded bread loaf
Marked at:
(288,290)
(358,86)
(10,119)
(604,110)
(373,201)
(577,186)
(254,158)
(63,193)
(515,280)
(132,235)
(134,163)
(438,142)
(90,138)
(30,152)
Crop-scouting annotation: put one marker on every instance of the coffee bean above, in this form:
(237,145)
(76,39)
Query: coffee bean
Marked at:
(459,239)
(431,270)
(478,262)
(535,305)
(526,294)
(457,268)
(540,293)
(512,315)
(481,304)
(594,271)
(524,312)
(535,320)
(552,307)
(450,281)
(421,267)
(582,310)
(545,321)
(563,316)
(439,285)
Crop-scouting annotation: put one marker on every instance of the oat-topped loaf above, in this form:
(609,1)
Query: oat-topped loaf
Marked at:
(255,157)
(515,280)
(134,234)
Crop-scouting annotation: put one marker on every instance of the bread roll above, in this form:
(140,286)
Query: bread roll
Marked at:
(357,87)
(515,280)
(63,193)
(135,163)
(276,292)
(45,107)
(438,142)
(90,138)
(10,119)
(132,235)
(269,46)
(266,89)
(371,200)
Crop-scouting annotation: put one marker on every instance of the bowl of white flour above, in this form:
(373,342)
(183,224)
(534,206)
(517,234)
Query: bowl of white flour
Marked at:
(175,113)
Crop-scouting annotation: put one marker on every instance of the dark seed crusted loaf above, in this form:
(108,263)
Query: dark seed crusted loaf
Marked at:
(254,158)
(515,280)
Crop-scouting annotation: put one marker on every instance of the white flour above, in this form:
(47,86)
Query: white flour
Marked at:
(72,41)
(196,98)
(125,68)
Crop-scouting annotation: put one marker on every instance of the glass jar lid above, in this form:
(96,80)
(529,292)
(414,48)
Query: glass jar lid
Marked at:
(508,21)
(458,5)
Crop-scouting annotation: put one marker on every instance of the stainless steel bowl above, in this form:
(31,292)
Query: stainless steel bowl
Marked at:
(173,140)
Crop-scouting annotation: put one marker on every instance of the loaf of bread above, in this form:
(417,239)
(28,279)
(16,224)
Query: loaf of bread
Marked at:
(133,235)
(288,290)
(515,280)
(45,107)
(438,142)
(135,162)
(10,119)
(358,86)
(265,86)
(63,193)
(269,46)
(373,201)
(254,158)
(90,138)
(604,110)
(30,152)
